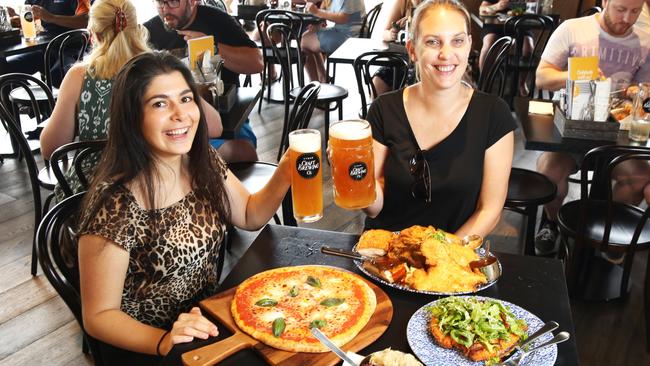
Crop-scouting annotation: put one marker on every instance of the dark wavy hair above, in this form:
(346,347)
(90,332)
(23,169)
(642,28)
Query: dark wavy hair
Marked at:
(127,154)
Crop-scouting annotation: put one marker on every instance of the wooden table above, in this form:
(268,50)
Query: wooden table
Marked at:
(534,283)
(234,119)
(24,46)
(541,134)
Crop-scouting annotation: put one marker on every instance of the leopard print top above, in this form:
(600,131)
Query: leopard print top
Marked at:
(170,269)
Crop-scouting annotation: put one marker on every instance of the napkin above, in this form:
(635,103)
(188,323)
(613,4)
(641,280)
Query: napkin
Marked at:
(536,107)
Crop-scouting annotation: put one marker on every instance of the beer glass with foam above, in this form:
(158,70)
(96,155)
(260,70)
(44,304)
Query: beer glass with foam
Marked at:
(350,148)
(306,175)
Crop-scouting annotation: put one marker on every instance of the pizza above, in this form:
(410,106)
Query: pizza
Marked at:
(280,306)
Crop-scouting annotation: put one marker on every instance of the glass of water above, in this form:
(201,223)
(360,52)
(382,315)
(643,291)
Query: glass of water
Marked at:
(640,126)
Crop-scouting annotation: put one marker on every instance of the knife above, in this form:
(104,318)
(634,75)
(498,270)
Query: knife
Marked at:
(326,341)
(345,253)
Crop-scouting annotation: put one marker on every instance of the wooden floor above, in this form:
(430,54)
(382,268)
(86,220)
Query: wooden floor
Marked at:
(36,328)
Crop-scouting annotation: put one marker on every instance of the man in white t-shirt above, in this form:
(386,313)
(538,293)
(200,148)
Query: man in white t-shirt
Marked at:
(623,51)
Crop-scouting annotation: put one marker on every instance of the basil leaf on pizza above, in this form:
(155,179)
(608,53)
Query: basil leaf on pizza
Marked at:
(332,302)
(266,302)
(280,306)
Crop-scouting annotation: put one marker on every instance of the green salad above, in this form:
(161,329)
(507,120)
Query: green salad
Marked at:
(469,320)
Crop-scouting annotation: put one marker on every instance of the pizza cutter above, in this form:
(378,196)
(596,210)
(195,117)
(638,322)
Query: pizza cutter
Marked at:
(334,348)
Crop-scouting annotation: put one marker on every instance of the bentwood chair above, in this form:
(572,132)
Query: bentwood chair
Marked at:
(85,157)
(539,28)
(57,246)
(328,94)
(43,178)
(494,66)
(60,54)
(293,53)
(364,66)
(597,223)
(369,21)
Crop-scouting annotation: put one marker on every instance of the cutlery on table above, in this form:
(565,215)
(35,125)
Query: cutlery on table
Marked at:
(346,253)
(516,361)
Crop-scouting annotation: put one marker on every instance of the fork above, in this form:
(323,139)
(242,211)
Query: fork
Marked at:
(516,361)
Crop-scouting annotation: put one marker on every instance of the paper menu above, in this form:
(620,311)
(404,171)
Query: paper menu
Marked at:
(583,68)
(197,46)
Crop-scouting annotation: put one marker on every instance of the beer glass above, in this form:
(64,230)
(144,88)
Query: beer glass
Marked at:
(640,125)
(350,149)
(306,175)
(27,23)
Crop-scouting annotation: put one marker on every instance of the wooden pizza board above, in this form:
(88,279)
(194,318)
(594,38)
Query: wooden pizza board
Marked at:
(219,307)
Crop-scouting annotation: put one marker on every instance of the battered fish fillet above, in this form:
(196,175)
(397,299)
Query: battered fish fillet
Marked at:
(415,234)
(376,239)
(476,352)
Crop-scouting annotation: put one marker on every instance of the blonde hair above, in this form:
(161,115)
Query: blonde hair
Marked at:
(114,43)
(428,5)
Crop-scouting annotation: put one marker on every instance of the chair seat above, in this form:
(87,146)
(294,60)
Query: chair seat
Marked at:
(46,177)
(20,94)
(328,93)
(253,175)
(526,188)
(625,219)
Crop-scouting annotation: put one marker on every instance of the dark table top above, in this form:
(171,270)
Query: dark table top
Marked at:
(353,47)
(40,42)
(307,18)
(541,134)
(536,284)
(233,120)
(494,23)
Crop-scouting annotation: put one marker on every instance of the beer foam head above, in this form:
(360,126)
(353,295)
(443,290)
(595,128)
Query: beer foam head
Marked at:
(304,142)
(351,130)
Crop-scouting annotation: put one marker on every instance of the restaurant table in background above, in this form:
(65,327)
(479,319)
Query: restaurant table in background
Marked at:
(234,119)
(533,283)
(494,23)
(24,46)
(353,47)
(541,134)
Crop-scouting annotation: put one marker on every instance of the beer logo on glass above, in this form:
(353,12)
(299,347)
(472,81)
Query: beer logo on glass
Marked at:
(358,170)
(307,165)
(646,105)
(29,17)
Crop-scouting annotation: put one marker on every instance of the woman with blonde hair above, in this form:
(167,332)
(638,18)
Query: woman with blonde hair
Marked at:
(82,108)
(443,151)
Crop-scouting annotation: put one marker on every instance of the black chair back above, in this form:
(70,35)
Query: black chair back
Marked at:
(601,185)
(83,150)
(362,70)
(11,121)
(494,64)
(66,49)
(57,247)
(591,11)
(519,27)
(301,111)
(369,21)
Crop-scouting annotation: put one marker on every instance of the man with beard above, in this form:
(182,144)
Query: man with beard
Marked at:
(181,20)
(623,50)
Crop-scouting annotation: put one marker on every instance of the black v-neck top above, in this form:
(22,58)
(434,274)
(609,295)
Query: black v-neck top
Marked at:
(455,163)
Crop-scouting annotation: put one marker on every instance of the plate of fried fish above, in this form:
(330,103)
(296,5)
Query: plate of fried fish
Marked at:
(423,260)
(473,331)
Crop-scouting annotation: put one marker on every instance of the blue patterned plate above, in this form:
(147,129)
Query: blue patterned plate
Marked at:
(428,351)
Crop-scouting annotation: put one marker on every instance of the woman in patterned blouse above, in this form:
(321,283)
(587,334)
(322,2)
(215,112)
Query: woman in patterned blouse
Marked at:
(155,215)
(81,109)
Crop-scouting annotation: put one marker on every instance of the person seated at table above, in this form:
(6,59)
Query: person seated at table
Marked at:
(181,20)
(400,13)
(443,151)
(155,215)
(346,16)
(56,17)
(81,110)
(623,56)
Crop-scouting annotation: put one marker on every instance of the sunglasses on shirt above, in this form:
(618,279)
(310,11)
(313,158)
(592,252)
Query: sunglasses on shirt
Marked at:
(419,167)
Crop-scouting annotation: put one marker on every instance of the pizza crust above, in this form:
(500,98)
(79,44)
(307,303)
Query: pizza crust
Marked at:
(343,321)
